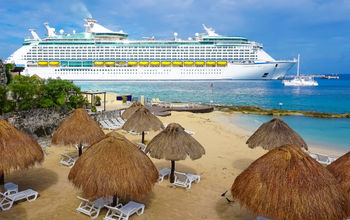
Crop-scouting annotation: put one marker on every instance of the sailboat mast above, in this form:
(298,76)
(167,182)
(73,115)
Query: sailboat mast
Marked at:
(298,64)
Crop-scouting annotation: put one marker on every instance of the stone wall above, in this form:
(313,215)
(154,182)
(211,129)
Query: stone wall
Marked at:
(3,78)
(41,123)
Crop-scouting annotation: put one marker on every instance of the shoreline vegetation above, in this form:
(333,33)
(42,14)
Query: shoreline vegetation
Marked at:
(278,112)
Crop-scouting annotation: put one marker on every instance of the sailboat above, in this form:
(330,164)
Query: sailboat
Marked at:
(300,80)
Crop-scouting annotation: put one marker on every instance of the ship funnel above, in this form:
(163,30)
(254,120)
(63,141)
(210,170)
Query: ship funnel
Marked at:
(51,32)
(34,34)
(210,31)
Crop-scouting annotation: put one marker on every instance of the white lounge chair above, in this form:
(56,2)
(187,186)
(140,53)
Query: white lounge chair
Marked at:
(163,173)
(10,188)
(8,200)
(141,146)
(93,209)
(111,125)
(185,180)
(68,160)
(105,125)
(121,120)
(124,212)
(322,159)
(189,132)
(116,122)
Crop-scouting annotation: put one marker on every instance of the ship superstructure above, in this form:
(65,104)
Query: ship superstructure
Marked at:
(102,54)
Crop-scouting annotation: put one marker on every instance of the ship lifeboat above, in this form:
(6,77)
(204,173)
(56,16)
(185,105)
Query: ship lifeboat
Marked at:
(132,63)
(155,63)
(98,63)
(143,63)
(188,63)
(54,63)
(222,63)
(43,63)
(110,63)
(121,63)
(199,63)
(177,63)
(166,63)
(210,63)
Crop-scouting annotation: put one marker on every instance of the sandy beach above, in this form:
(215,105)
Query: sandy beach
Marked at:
(226,156)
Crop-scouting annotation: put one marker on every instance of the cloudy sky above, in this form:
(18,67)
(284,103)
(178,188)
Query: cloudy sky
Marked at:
(317,29)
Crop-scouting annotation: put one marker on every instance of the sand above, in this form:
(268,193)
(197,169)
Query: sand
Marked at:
(226,156)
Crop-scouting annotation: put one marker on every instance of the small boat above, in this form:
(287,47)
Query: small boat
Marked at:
(331,76)
(300,80)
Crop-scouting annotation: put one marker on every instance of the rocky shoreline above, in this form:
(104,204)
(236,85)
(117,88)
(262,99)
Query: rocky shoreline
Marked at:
(277,112)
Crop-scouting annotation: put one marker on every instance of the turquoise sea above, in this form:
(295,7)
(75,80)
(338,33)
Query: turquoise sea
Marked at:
(330,96)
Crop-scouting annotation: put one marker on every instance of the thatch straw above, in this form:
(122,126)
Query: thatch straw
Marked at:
(78,128)
(174,144)
(18,150)
(275,133)
(143,120)
(286,183)
(131,110)
(340,169)
(114,166)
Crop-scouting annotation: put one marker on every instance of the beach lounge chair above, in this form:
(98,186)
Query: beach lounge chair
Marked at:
(68,161)
(93,209)
(322,159)
(8,200)
(10,188)
(185,180)
(189,132)
(121,120)
(163,173)
(141,146)
(117,123)
(105,125)
(111,125)
(124,212)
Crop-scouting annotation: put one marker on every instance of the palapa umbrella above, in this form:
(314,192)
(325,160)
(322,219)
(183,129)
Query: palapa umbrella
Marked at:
(114,166)
(143,120)
(174,144)
(340,169)
(79,129)
(18,150)
(275,133)
(131,110)
(286,183)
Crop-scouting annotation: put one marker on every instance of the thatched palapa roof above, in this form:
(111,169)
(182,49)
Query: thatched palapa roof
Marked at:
(286,183)
(340,169)
(18,150)
(114,166)
(131,110)
(143,120)
(275,133)
(173,143)
(78,128)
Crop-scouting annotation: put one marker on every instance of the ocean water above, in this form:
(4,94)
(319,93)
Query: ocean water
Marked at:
(330,96)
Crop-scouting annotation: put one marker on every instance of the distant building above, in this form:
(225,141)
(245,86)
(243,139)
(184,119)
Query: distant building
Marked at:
(3,78)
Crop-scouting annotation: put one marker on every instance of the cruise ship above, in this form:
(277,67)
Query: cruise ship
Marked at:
(103,54)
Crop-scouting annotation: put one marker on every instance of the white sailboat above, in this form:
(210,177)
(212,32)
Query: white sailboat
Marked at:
(300,80)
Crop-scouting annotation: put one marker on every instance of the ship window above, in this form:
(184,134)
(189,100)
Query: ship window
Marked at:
(265,74)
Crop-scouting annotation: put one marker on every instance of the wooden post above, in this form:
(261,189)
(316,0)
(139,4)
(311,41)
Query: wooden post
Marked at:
(2,179)
(115,201)
(104,101)
(80,149)
(172,174)
(143,137)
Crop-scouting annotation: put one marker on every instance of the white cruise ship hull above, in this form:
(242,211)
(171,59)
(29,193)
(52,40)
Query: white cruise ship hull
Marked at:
(253,71)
